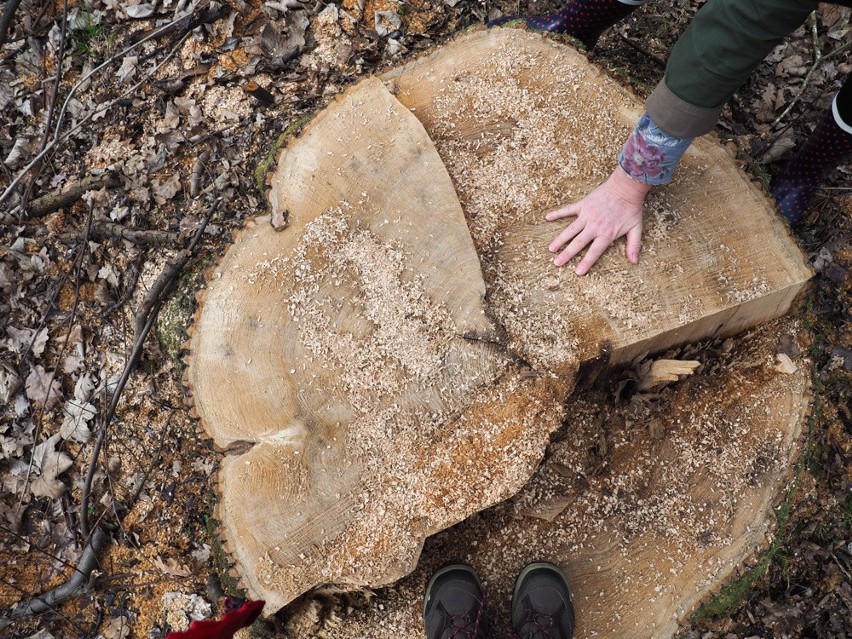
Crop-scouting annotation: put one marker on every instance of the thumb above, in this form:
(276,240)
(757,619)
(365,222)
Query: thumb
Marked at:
(634,243)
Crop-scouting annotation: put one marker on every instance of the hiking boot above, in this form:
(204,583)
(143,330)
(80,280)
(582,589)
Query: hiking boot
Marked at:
(541,604)
(584,20)
(455,605)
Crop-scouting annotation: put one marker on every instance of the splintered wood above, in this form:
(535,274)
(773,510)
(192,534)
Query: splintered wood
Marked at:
(398,357)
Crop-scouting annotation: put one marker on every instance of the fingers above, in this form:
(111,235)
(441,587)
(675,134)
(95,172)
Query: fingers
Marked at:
(565,211)
(595,251)
(566,235)
(634,243)
(574,248)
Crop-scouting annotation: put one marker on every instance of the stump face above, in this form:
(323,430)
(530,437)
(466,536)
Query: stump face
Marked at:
(354,352)
(648,505)
(397,358)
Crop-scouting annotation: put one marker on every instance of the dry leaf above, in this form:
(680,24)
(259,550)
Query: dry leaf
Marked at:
(171,567)
(50,463)
(42,389)
(75,425)
(165,190)
(9,383)
(21,338)
(116,628)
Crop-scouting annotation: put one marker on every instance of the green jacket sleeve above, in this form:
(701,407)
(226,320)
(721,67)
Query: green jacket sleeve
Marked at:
(723,44)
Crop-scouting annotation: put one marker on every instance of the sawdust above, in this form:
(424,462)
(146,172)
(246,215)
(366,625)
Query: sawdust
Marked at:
(420,408)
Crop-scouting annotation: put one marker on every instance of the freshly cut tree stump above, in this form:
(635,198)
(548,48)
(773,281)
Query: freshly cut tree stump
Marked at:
(398,357)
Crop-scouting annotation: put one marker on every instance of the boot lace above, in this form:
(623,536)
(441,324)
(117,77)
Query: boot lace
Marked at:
(461,626)
(536,625)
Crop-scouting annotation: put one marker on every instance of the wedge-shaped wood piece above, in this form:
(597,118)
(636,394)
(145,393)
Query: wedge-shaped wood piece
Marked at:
(350,366)
(525,124)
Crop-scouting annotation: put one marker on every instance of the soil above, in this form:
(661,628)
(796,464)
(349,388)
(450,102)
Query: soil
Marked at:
(190,135)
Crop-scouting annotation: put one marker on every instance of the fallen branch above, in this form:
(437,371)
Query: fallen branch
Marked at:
(202,15)
(113,230)
(51,202)
(6,19)
(99,537)
(145,320)
(88,562)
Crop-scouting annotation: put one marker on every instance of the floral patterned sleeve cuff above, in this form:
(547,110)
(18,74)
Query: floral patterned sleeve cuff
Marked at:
(651,155)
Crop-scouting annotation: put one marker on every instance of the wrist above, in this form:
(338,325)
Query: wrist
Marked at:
(627,187)
(651,155)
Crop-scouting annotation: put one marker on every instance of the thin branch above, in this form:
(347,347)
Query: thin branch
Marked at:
(78,271)
(6,19)
(51,109)
(819,58)
(88,562)
(61,198)
(112,230)
(145,320)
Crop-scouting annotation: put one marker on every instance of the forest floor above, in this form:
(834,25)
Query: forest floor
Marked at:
(171,112)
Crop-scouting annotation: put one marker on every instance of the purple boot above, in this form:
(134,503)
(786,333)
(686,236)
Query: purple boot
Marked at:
(829,145)
(581,19)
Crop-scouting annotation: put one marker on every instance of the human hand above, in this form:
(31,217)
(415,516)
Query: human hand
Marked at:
(604,215)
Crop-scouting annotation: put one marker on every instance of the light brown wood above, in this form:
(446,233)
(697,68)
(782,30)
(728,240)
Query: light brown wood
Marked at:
(350,366)
(648,505)
(530,120)
(396,359)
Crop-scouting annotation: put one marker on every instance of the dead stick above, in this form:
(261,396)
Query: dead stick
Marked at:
(144,322)
(58,199)
(113,230)
(6,19)
(202,15)
(88,562)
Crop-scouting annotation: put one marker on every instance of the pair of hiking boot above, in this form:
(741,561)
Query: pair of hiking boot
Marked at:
(541,604)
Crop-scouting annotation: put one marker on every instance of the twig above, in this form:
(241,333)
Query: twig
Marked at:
(132,278)
(60,198)
(99,538)
(159,294)
(51,109)
(113,230)
(202,15)
(56,136)
(37,548)
(88,562)
(657,59)
(6,19)
(41,408)
(819,58)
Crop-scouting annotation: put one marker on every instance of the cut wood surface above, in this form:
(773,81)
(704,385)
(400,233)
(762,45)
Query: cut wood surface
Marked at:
(351,360)
(525,124)
(397,358)
(648,505)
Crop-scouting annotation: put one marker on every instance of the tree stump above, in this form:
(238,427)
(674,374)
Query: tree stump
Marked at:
(398,357)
